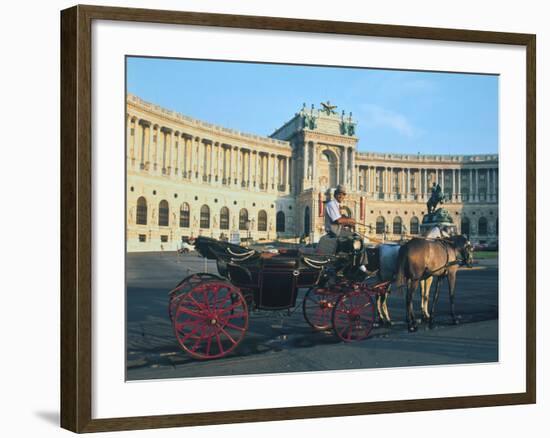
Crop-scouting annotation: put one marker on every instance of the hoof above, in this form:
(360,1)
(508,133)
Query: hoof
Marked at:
(412,328)
(425,319)
(432,323)
(456,321)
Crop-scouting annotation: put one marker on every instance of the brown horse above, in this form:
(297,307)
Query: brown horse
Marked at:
(420,259)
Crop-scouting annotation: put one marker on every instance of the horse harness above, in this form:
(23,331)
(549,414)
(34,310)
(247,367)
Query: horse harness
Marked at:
(446,243)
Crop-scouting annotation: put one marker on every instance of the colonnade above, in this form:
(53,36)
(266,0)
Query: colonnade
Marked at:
(161,150)
(460,184)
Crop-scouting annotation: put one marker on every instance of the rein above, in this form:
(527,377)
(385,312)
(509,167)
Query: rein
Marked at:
(445,243)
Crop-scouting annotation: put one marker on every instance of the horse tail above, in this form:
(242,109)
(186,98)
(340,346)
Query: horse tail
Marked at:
(402,259)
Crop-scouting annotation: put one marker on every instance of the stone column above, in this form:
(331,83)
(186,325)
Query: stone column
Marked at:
(177,153)
(140,137)
(477,185)
(268,175)
(306,162)
(402,192)
(168,145)
(471,186)
(129,139)
(184,155)
(211,174)
(248,166)
(425,191)
(274,172)
(229,165)
(352,168)
(287,174)
(453,185)
(154,156)
(173,153)
(344,166)
(459,194)
(390,182)
(407,183)
(162,140)
(256,168)
(314,163)
(491,173)
(190,157)
(220,162)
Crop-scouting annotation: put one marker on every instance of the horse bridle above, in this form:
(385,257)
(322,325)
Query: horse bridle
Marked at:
(463,259)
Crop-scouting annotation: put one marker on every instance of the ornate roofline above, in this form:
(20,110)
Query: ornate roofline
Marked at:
(179,117)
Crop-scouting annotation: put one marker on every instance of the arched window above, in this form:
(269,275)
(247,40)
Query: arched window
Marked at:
(280,222)
(205,216)
(397,225)
(414,225)
(262,220)
(164,213)
(482,226)
(184,215)
(465,226)
(307,222)
(224,218)
(243,219)
(380,225)
(141,212)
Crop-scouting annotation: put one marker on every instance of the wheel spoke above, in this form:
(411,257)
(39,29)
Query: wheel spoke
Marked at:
(231,307)
(228,335)
(190,312)
(208,343)
(191,333)
(219,343)
(236,327)
(192,298)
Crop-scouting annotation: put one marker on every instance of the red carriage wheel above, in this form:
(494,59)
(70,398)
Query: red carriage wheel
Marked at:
(185,286)
(353,316)
(211,319)
(317,307)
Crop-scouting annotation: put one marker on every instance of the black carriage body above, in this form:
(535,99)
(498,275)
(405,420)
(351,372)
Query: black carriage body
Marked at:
(274,280)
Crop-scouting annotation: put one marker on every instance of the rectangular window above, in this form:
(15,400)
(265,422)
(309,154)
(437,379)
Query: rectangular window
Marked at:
(164,238)
(142,238)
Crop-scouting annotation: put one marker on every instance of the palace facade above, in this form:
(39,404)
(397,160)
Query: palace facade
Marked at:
(187,177)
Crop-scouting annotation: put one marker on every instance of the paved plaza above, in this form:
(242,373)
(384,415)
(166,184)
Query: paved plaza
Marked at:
(283,342)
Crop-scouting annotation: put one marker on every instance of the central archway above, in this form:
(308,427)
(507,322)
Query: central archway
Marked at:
(328,169)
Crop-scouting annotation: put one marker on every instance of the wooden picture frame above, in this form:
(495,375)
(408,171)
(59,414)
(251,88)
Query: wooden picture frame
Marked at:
(76,218)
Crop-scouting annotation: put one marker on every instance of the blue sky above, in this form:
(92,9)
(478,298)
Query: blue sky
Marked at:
(396,111)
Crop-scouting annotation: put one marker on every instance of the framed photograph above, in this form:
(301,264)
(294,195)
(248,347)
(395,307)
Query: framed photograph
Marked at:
(268,219)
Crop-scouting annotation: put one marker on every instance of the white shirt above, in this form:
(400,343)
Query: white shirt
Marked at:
(332,213)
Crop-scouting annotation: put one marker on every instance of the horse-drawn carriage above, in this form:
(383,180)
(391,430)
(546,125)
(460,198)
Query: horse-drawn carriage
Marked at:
(210,313)
(346,288)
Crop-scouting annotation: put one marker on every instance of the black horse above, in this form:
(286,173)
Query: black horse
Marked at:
(422,258)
